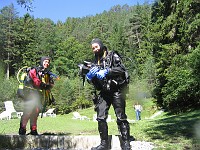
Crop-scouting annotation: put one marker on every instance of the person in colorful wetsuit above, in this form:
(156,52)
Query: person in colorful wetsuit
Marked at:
(37,83)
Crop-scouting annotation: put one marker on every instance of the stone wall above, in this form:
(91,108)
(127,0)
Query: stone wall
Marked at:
(51,142)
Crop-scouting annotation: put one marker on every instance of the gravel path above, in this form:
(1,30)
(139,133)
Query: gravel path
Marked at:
(142,145)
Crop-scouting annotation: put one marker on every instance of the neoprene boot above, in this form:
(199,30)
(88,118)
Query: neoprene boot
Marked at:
(125,135)
(22,130)
(103,131)
(34,132)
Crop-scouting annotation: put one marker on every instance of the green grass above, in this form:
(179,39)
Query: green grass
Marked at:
(170,132)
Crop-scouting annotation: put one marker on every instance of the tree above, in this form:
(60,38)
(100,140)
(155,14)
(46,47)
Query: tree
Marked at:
(8,33)
(25,41)
(69,54)
(173,40)
(27,4)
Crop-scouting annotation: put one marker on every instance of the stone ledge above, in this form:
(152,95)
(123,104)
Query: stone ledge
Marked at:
(55,142)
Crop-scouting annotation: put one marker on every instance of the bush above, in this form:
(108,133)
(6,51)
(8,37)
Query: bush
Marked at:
(8,89)
(14,115)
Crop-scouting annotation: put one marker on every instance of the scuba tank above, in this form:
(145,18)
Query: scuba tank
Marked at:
(21,76)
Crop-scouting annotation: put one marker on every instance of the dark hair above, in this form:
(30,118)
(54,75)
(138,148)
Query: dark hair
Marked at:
(44,58)
(98,41)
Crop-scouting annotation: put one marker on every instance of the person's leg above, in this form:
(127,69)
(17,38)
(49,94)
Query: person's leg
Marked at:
(36,104)
(123,124)
(33,121)
(102,114)
(25,117)
(103,132)
(137,115)
(23,122)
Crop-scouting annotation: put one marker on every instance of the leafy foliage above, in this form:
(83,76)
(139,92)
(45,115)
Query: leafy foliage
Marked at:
(176,89)
(159,44)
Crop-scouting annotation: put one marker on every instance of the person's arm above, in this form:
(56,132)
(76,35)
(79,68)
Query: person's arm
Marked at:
(117,67)
(35,79)
(51,81)
(141,108)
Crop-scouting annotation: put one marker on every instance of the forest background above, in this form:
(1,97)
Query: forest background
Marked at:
(159,42)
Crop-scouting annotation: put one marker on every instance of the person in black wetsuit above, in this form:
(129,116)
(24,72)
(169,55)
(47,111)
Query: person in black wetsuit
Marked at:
(110,79)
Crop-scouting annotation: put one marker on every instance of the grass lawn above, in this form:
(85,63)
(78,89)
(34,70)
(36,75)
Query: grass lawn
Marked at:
(171,132)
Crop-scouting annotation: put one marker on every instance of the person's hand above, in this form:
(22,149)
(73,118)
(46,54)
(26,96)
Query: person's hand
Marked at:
(102,73)
(92,73)
(44,86)
(48,87)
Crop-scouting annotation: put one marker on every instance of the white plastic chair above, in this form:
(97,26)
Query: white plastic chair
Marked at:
(7,114)
(94,117)
(76,115)
(50,113)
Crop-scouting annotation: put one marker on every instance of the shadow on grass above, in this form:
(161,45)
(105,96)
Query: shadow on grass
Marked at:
(176,126)
(173,127)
